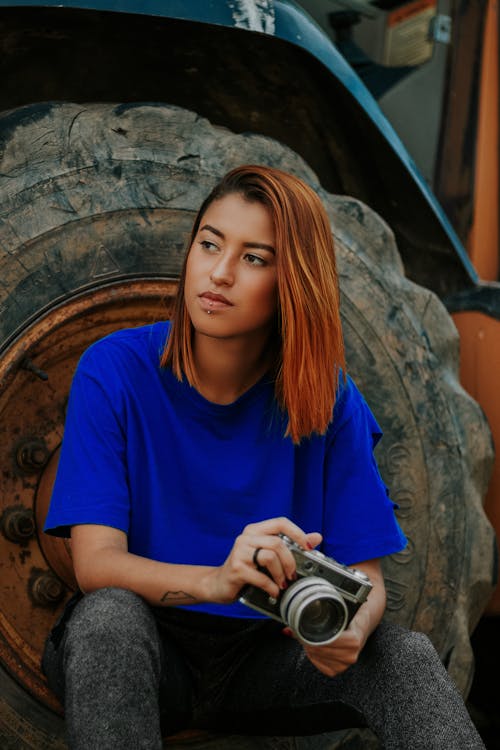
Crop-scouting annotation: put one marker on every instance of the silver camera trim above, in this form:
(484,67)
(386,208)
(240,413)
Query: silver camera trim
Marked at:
(296,598)
(329,572)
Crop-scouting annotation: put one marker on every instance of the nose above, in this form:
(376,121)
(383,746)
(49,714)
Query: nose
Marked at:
(222,272)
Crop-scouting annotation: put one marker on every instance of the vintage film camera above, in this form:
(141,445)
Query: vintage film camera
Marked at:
(320,604)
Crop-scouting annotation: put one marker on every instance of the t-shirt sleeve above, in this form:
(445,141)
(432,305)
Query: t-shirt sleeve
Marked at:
(91,483)
(359,523)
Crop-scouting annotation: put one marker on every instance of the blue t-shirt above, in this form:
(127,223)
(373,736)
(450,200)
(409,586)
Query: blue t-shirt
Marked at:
(182,476)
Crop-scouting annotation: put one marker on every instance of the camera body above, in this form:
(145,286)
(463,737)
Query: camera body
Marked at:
(320,604)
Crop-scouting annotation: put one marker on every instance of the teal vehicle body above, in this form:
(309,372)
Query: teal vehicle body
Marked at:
(264,67)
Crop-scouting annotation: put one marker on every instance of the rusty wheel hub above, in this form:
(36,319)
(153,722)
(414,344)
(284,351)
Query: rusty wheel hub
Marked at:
(36,575)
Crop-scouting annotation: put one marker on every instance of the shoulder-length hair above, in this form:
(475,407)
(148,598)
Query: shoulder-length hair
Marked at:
(309,351)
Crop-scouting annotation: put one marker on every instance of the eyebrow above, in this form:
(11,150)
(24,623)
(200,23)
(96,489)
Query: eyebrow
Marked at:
(257,245)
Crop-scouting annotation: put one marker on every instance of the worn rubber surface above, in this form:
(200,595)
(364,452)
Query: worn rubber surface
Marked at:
(90,194)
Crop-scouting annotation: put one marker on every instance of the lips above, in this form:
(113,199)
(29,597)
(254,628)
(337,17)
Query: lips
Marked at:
(213,301)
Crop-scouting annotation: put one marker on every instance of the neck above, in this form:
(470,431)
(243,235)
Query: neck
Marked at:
(226,368)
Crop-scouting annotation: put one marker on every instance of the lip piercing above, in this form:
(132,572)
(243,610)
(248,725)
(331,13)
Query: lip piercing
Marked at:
(209,312)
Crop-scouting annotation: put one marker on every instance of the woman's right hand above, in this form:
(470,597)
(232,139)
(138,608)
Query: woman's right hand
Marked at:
(225,582)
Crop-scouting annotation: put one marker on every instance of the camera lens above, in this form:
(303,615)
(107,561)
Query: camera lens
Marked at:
(320,620)
(313,608)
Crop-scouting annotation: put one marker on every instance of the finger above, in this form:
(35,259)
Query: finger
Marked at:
(337,649)
(262,581)
(274,555)
(327,659)
(324,661)
(279,525)
(313,539)
(242,562)
(330,670)
(271,564)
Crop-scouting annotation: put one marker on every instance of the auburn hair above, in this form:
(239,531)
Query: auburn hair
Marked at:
(309,348)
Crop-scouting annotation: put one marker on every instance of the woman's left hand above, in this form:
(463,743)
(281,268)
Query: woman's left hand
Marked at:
(334,658)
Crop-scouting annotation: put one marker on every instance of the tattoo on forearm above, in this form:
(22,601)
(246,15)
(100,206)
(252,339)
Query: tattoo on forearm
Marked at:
(176,597)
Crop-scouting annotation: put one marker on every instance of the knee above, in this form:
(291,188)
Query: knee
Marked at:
(407,650)
(111,617)
(416,647)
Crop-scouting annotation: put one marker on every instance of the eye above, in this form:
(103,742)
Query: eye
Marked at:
(255,260)
(210,247)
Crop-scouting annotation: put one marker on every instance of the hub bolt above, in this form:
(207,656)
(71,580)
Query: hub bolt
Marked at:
(18,523)
(32,455)
(46,589)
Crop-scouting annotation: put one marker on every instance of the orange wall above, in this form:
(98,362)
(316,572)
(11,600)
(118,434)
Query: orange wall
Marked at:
(483,240)
(479,334)
(480,376)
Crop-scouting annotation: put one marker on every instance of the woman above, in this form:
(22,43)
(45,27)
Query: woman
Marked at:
(188,449)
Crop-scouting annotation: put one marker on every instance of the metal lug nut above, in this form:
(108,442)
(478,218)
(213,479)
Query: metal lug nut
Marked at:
(46,589)
(18,523)
(32,455)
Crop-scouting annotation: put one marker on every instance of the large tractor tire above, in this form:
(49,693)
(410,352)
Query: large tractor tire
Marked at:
(96,202)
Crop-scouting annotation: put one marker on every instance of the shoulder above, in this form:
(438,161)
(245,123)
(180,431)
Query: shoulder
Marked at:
(348,399)
(352,410)
(128,347)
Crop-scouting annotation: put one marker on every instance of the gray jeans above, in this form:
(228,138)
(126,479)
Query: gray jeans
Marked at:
(128,673)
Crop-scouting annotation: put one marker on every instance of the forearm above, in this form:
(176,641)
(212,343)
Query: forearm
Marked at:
(102,564)
(160,584)
(371,612)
